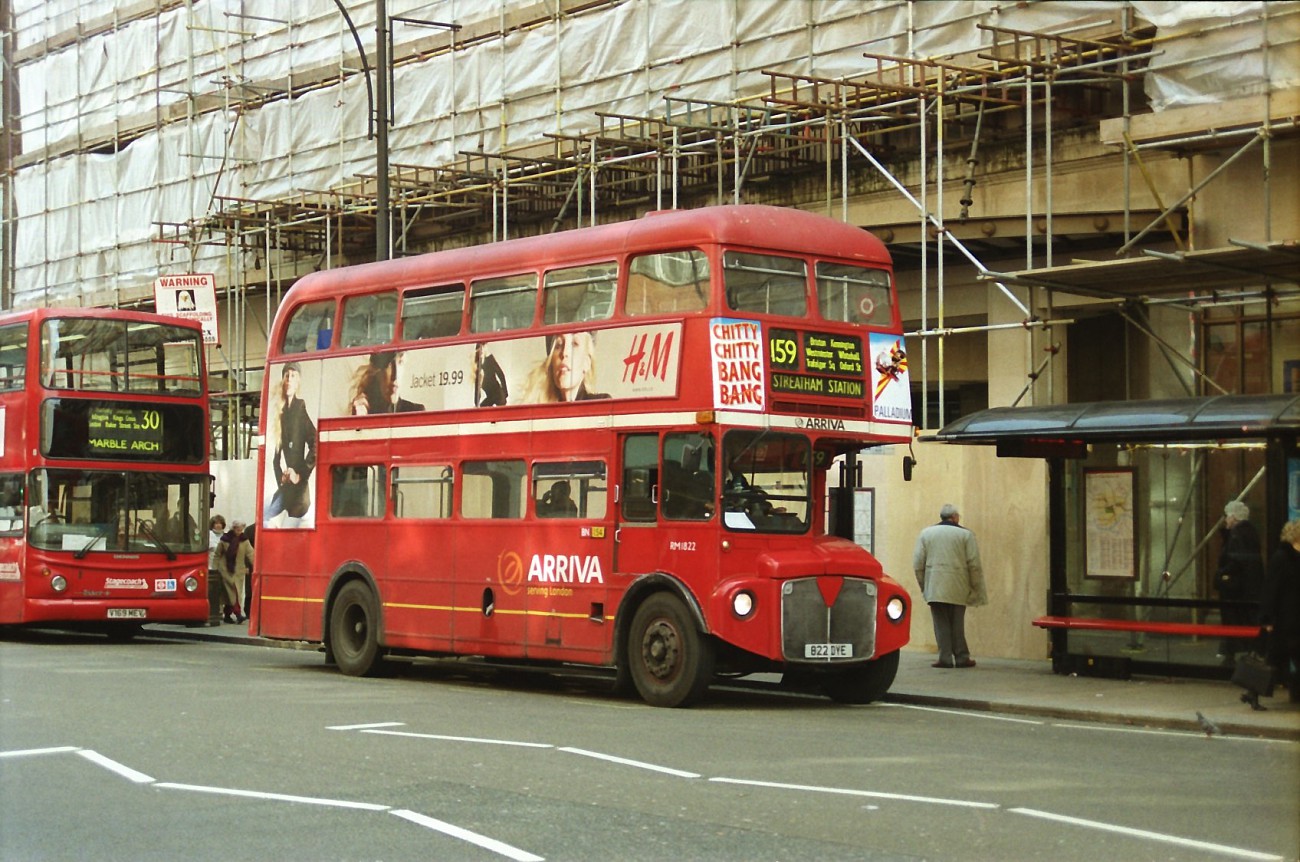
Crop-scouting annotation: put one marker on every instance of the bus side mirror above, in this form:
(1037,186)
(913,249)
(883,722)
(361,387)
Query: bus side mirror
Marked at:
(908,463)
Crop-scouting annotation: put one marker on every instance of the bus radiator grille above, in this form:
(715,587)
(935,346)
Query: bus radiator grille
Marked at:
(805,619)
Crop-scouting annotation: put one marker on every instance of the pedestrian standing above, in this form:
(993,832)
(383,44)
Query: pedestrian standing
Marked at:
(1279,610)
(235,557)
(1239,576)
(216,527)
(947,566)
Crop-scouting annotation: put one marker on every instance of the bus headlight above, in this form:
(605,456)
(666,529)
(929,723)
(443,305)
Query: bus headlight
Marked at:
(58,583)
(895,608)
(742,604)
(191,584)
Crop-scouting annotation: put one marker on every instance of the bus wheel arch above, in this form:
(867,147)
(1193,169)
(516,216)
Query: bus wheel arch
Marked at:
(665,651)
(353,624)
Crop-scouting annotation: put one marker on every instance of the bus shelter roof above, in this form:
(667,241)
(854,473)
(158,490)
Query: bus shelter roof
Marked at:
(1225,417)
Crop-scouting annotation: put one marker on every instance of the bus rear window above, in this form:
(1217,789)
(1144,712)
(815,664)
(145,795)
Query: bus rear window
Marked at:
(854,294)
(766,284)
(668,283)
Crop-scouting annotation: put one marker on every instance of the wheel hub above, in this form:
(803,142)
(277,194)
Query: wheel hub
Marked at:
(661,650)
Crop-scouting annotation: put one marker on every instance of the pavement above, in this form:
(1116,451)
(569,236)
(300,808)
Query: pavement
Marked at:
(1010,687)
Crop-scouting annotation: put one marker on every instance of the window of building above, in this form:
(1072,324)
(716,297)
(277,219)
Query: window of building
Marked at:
(422,491)
(667,283)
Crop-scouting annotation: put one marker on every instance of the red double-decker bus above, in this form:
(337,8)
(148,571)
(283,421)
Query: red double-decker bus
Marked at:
(607,446)
(104,470)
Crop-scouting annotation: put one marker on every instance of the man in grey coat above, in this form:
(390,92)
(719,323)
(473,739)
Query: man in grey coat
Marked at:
(947,566)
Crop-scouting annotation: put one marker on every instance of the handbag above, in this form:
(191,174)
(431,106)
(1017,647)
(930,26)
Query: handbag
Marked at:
(1253,673)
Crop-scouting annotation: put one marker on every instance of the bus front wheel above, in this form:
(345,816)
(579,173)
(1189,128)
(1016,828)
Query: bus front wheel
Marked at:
(670,660)
(354,630)
(863,684)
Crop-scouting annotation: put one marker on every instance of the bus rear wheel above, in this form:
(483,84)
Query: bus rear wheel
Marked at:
(670,660)
(354,630)
(863,684)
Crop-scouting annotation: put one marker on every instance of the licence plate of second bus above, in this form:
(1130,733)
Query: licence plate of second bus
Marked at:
(828,650)
(127,613)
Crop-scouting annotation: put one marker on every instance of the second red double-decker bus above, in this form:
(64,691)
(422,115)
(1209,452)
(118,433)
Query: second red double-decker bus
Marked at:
(103,470)
(607,446)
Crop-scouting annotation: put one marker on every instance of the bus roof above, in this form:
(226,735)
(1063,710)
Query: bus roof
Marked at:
(753,225)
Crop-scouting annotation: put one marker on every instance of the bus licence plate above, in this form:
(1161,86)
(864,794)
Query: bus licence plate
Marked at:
(127,613)
(828,651)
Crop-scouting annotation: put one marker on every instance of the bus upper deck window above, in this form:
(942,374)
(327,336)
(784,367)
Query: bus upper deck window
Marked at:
(369,319)
(432,312)
(579,293)
(854,294)
(766,284)
(310,328)
(13,356)
(502,303)
(667,283)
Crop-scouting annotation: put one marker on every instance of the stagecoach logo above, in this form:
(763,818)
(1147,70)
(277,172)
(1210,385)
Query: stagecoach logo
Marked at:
(125,584)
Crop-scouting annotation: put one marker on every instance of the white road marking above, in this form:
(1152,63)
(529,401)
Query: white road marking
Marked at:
(113,766)
(33,752)
(1150,836)
(367,726)
(472,837)
(844,791)
(276,797)
(964,713)
(460,739)
(637,763)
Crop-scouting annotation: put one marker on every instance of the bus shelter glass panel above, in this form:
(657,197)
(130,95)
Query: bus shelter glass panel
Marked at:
(854,294)
(579,293)
(90,354)
(767,486)
(766,284)
(109,510)
(672,282)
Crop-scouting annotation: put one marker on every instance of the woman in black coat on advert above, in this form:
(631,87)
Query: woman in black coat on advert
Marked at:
(1279,609)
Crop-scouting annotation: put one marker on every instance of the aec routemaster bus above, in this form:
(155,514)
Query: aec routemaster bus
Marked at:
(607,446)
(103,470)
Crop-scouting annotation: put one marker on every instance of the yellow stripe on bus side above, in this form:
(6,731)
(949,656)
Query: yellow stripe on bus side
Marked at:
(466,610)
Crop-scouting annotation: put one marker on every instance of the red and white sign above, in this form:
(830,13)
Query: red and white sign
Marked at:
(193,297)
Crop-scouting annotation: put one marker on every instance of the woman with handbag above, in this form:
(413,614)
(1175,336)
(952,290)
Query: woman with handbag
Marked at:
(1279,610)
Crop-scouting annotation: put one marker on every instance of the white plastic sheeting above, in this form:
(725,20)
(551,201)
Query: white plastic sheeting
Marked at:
(86,221)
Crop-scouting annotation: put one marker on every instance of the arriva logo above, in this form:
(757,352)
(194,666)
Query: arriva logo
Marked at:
(560,569)
(510,572)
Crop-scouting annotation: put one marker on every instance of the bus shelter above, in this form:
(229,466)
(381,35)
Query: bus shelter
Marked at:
(1136,491)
